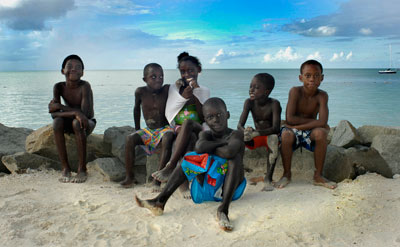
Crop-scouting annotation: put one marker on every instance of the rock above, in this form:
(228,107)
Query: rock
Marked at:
(367,159)
(345,135)
(330,134)
(368,132)
(388,147)
(12,141)
(115,136)
(19,162)
(111,169)
(337,166)
(41,142)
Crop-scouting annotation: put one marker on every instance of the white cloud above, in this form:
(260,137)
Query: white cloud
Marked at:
(282,55)
(222,56)
(326,30)
(9,3)
(366,31)
(348,57)
(341,56)
(316,56)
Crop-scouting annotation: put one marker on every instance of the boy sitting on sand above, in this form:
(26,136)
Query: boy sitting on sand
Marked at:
(217,166)
(303,127)
(152,99)
(266,114)
(76,116)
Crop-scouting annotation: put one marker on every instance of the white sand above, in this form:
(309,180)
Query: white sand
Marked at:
(37,210)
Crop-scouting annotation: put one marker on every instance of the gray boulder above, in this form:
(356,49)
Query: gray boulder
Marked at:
(111,169)
(388,147)
(337,165)
(19,162)
(115,137)
(12,141)
(41,142)
(345,135)
(366,159)
(368,132)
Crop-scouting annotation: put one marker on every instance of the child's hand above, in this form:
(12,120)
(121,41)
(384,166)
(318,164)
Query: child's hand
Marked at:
(83,120)
(248,134)
(53,107)
(192,83)
(187,93)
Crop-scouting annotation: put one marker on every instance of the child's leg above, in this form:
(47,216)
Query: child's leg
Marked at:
(131,141)
(181,147)
(58,127)
(234,176)
(156,205)
(166,149)
(319,136)
(287,140)
(80,138)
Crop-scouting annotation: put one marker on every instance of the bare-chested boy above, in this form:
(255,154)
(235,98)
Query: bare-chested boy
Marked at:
(223,171)
(152,98)
(76,116)
(266,114)
(306,123)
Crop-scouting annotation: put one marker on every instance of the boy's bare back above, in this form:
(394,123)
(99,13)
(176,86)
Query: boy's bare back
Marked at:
(153,106)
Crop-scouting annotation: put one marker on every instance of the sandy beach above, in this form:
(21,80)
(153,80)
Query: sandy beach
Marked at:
(37,210)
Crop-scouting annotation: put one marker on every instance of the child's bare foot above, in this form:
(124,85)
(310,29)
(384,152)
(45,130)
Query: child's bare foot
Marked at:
(151,205)
(282,182)
(66,176)
(163,174)
(267,187)
(81,177)
(223,221)
(321,181)
(127,183)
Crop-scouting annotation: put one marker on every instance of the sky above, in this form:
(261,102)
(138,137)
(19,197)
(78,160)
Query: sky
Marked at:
(128,34)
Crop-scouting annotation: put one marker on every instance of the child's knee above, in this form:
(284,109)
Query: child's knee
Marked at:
(76,125)
(287,136)
(132,139)
(168,138)
(58,124)
(319,134)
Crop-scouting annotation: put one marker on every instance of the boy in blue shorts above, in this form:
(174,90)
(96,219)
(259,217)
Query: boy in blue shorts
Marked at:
(306,123)
(219,176)
(152,99)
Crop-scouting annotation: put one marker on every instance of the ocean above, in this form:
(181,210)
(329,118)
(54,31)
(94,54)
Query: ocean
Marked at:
(361,96)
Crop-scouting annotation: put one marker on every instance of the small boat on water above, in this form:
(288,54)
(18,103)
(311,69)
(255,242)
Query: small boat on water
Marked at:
(389,71)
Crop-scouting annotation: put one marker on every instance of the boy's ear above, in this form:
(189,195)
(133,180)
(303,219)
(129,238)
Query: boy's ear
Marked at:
(300,77)
(144,79)
(62,71)
(228,114)
(322,77)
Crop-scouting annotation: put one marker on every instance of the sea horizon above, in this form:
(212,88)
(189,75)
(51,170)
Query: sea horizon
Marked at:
(361,96)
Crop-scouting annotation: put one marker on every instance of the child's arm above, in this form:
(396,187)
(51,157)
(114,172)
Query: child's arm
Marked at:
(309,123)
(244,115)
(87,100)
(136,108)
(207,144)
(233,147)
(56,109)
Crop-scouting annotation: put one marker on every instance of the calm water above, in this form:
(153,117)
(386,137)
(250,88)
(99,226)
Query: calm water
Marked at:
(361,96)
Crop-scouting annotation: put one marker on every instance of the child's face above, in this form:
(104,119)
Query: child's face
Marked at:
(216,118)
(73,70)
(257,89)
(154,78)
(189,71)
(311,77)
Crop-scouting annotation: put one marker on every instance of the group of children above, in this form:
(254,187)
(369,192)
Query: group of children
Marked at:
(206,151)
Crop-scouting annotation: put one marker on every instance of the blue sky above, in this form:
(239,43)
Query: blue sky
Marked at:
(125,34)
